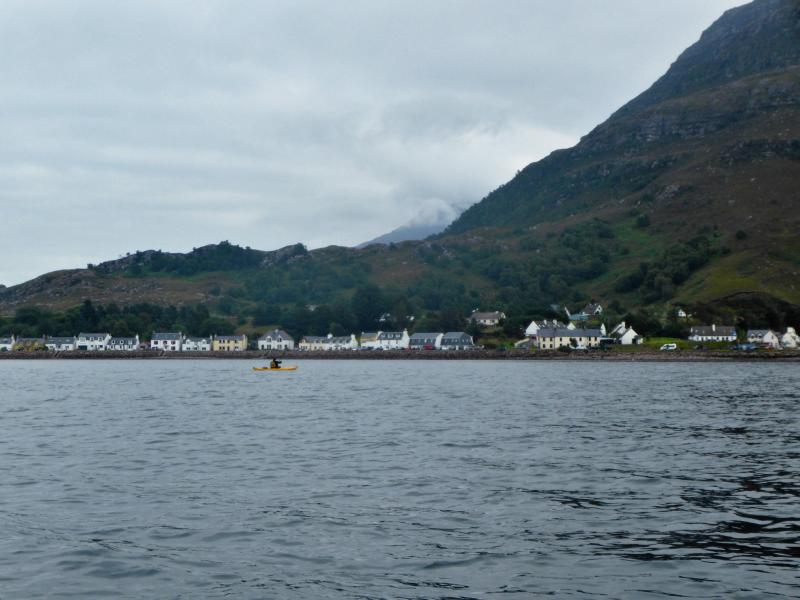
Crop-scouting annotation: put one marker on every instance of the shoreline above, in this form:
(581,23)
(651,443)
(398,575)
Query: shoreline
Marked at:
(513,355)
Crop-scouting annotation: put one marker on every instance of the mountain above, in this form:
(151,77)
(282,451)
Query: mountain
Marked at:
(687,195)
(407,233)
(728,104)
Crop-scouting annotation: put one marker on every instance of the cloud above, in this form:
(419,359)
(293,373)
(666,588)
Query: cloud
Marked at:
(172,125)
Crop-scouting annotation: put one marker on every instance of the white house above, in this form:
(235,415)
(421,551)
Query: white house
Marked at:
(555,338)
(328,343)
(456,340)
(92,342)
(60,344)
(393,340)
(196,344)
(764,337)
(124,344)
(425,341)
(277,339)
(487,319)
(532,329)
(592,310)
(312,342)
(682,314)
(341,342)
(790,339)
(713,333)
(369,340)
(7,343)
(169,342)
(624,335)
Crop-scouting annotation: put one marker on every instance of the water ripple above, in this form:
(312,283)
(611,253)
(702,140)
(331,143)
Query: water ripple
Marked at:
(359,479)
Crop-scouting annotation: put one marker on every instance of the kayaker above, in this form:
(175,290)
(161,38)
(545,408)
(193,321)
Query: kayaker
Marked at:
(275,364)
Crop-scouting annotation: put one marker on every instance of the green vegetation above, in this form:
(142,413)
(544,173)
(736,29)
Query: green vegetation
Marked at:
(140,319)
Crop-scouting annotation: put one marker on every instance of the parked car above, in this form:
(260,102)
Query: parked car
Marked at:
(669,347)
(744,346)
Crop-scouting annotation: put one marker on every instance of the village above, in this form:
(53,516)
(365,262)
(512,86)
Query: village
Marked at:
(581,331)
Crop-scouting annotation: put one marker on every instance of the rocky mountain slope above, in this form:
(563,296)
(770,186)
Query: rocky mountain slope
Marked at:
(687,194)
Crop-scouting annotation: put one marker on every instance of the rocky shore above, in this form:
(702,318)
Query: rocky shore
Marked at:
(520,355)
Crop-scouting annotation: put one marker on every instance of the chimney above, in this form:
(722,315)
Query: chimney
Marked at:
(713,327)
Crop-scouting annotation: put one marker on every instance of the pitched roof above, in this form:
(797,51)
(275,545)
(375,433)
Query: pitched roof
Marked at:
(709,331)
(424,336)
(277,333)
(390,335)
(456,335)
(758,332)
(340,339)
(166,336)
(94,335)
(549,332)
(231,338)
(496,314)
(60,340)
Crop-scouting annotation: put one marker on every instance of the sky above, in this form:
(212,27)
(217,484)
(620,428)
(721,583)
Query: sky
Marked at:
(171,125)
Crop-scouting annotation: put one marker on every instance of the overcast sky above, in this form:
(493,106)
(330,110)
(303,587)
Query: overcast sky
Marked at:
(128,126)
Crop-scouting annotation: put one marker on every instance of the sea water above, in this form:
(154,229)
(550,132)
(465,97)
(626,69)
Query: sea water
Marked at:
(384,479)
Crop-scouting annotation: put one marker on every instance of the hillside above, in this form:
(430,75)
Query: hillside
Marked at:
(686,195)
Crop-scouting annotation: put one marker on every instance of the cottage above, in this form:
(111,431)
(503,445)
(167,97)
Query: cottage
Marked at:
(230,343)
(312,342)
(535,326)
(487,319)
(713,333)
(168,342)
(341,342)
(196,344)
(7,343)
(92,342)
(369,340)
(277,339)
(124,344)
(456,340)
(764,337)
(393,340)
(592,310)
(328,343)
(60,344)
(555,338)
(790,339)
(624,335)
(425,341)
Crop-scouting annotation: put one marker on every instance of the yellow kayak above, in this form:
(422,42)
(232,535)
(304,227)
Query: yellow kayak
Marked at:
(293,368)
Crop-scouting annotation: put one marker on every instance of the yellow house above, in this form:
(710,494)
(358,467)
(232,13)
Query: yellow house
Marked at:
(229,343)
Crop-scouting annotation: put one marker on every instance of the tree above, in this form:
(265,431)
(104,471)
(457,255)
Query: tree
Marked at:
(368,305)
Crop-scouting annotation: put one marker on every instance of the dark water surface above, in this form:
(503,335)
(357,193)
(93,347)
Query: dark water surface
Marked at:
(357,479)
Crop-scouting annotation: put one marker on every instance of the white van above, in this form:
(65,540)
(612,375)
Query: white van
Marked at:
(669,347)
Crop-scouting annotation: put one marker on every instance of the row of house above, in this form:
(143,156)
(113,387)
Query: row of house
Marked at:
(104,342)
(766,338)
(554,334)
(390,340)
(276,340)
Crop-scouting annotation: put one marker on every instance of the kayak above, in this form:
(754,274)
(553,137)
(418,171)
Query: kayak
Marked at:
(293,368)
